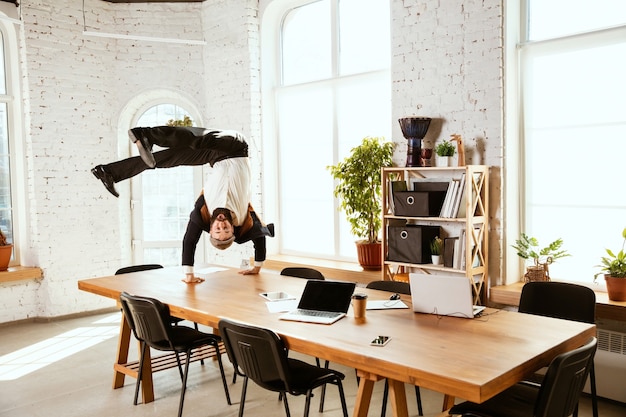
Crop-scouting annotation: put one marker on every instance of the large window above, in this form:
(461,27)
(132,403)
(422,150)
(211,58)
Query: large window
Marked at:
(574,128)
(332,88)
(162,200)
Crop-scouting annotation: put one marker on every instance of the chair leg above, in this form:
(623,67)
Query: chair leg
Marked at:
(286,404)
(180,367)
(195,325)
(221,366)
(594,396)
(323,393)
(184,387)
(242,402)
(383,412)
(307,402)
(418,397)
(342,397)
(140,372)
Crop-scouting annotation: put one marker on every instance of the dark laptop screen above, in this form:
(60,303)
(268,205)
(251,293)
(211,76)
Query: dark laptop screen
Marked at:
(327,295)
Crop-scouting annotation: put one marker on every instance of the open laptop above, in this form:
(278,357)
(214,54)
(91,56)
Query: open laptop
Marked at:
(322,302)
(443,295)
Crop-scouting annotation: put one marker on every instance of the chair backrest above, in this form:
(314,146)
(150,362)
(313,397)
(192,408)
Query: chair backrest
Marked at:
(560,300)
(148,318)
(259,353)
(399,287)
(564,382)
(302,272)
(136,268)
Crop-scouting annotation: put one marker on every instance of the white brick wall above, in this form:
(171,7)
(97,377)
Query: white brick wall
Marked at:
(446,64)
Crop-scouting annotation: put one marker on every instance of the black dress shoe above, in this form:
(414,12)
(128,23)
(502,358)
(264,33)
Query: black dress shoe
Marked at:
(101,173)
(144,147)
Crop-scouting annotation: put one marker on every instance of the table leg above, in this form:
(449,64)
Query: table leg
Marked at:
(363,396)
(147,387)
(448,402)
(123,343)
(397,397)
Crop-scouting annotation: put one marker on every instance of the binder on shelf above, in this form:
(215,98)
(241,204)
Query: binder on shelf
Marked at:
(457,198)
(448,251)
(446,209)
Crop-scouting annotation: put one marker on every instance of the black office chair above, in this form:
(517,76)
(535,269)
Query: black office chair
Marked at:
(260,354)
(302,272)
(398,287)
(556,396)
(149,320)
(147,267)
(308,273)
(564,301)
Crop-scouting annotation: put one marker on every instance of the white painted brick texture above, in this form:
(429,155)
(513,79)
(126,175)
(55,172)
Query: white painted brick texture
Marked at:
(446,64)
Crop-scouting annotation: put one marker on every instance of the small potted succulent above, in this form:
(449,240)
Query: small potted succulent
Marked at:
(528,248)
(6,250)
(613,267)
(444,151)
(436,247)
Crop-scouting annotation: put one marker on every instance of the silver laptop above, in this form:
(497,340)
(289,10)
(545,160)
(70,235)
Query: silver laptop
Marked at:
(443,295)
(322,302)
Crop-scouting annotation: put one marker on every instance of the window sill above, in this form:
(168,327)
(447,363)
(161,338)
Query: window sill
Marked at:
(21,273)
(331,269)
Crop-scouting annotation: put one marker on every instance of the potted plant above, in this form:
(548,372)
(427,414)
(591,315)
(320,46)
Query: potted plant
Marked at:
(528,248)
(358,186)
(6,249)
(436,246)
(444,151)
(613,267)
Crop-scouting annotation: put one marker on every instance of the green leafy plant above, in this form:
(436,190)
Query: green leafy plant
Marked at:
(436,246)
(614,264)
(445,148)
(528,248)
(186,121)
(358,186)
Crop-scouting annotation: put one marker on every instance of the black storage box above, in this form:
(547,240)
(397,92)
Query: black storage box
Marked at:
(410,243)
(425,200)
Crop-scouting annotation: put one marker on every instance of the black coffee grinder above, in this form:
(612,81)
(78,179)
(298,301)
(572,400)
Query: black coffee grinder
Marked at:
(414,129)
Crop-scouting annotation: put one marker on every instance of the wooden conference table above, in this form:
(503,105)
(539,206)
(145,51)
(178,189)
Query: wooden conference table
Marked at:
(469,359)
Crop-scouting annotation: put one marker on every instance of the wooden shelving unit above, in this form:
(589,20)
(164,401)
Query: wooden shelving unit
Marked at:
(475,223)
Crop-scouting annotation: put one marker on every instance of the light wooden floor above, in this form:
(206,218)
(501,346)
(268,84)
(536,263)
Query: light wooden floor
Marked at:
(75,356)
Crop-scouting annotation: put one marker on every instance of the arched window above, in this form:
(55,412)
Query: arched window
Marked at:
(12,179)
(162,199)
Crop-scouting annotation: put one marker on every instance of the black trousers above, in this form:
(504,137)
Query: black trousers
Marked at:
(185,146)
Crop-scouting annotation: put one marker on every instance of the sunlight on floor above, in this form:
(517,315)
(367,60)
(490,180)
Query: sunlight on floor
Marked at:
(31,358)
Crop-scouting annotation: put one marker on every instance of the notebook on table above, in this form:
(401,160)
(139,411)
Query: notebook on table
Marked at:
(322,302)
(443,295)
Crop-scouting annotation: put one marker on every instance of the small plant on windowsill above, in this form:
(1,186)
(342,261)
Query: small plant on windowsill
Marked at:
(528,248)
(6,250)
(613,267)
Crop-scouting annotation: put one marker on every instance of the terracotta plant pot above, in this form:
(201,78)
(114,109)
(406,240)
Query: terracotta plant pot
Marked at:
(5,256)
(369,256)
(616,288)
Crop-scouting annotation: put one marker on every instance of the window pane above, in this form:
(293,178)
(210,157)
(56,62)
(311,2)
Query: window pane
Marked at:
(575,140)
(556,18)
(320,119)
(167,197)
(6,210)
(3,81)
(306,148)
(306,43)
(364,35)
